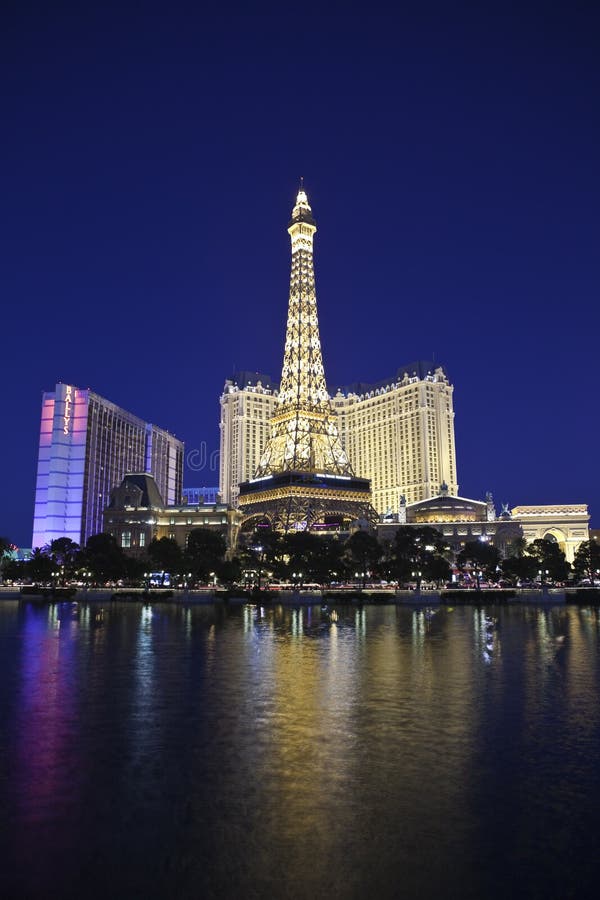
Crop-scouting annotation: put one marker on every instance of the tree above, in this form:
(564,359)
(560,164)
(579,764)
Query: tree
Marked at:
(587,561)
(519,568)
(419,549)
(230,571)
(165,553)
(437,569)
(263,552)
(550,560)
(363,551)
(517,548)
(314,556)
(204,552)
(6,549)
(40,566)
(64,553)
(13,569)
(104,558)
(480,556)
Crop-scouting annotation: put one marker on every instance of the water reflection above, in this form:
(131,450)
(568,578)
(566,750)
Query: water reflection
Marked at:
(269,751)
(45,775)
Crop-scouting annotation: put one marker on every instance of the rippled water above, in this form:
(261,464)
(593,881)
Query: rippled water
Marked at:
(253,753)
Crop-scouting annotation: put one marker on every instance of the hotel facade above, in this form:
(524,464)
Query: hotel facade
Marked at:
(247,405)
(399,433)
(87,444)
(137,514)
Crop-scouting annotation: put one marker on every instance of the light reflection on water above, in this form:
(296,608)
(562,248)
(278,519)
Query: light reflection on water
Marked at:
(269,751)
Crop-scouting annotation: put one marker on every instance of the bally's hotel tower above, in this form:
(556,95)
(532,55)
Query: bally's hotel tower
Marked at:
(87,445)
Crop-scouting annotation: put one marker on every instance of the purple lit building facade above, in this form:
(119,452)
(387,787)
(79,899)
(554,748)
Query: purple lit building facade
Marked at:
(87,445)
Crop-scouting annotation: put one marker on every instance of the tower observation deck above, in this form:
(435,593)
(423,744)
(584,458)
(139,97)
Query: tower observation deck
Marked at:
(304,478)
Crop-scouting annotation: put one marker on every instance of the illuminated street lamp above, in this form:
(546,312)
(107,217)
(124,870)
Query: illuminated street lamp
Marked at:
(418,575)
(362,576)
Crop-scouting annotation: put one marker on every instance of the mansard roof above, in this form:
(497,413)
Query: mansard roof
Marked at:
(144,491)
(419,369)
(245,377)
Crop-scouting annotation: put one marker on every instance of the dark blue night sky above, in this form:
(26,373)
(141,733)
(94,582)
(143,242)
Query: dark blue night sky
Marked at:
(150,159)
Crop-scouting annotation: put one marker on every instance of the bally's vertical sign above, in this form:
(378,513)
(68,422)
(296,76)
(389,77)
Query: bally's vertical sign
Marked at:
(68,409)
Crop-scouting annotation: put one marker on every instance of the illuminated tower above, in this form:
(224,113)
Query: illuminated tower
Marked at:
(304,477)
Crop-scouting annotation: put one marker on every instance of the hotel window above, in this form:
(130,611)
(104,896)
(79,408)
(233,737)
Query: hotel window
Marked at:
(142,541)
(126,539)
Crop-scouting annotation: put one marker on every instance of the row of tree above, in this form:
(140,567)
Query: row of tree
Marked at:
(102,560)
(415,554)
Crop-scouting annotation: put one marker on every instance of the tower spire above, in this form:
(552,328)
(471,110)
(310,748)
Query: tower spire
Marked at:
(304,432)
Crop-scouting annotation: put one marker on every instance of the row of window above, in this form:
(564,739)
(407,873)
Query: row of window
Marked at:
(126,539)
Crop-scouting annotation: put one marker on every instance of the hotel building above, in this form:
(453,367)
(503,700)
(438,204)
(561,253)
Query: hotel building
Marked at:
(399,432)
(247,405)
(137,515)
(87,444)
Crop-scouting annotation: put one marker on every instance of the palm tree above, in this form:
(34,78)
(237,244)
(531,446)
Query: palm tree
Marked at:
(6,548)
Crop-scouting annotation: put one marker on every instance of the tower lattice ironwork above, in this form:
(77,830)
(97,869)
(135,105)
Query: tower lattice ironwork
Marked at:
(304,433)
(304,475)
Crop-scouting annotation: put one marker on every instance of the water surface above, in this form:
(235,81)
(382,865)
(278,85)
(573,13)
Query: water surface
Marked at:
(247,752)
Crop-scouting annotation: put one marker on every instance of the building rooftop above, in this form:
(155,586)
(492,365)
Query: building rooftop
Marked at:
(150,494)
(244,378)
(419,369)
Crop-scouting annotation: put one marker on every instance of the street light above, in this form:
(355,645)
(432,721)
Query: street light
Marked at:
(418,575)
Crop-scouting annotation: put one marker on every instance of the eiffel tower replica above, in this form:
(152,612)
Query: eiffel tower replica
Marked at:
(304,479)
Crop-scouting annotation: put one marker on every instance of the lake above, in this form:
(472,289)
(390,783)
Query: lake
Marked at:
(235,751)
